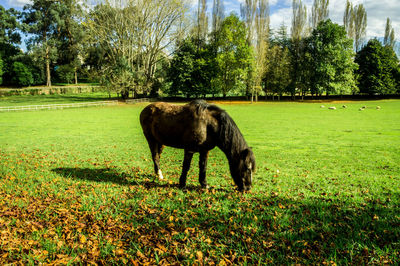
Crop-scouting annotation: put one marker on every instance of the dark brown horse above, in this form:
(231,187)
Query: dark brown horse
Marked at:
(197,127)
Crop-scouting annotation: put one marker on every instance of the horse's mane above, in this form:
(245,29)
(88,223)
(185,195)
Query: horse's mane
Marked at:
(230,139)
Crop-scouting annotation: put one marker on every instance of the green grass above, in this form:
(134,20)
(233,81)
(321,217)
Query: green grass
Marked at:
(76,187)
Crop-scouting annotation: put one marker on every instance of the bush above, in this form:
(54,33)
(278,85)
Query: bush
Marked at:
(65,73)
(1,71)
(22,75)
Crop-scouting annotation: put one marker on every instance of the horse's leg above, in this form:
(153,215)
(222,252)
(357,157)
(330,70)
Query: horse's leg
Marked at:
(185,168)
(156,149)
(203,168)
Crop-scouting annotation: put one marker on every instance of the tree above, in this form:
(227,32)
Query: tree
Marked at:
(248,13)
(134,36)
(202,20)
(389,39)
(332,59)
(9,39)
(70,36)
(320,12)
(42,20)
(217,15)
(348,20)
(181,69)
(262,33)
(234,55)
(278,73)
(1,70)
(378,68)
(22,76)
(191,70)
(9,26)
(299,32)
(360,25)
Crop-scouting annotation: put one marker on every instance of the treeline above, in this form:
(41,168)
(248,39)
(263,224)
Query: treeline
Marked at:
(153,47)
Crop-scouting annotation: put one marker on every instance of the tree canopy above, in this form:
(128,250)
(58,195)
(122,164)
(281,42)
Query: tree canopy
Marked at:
(150,47)
(378,68)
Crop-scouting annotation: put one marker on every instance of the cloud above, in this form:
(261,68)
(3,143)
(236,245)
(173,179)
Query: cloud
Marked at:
(18,3)
(279,16)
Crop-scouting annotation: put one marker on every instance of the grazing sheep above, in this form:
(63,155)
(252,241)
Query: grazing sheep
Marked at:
(378,107)
(344,106)
(361,109)
(364,107)
(332,108)
(322,106)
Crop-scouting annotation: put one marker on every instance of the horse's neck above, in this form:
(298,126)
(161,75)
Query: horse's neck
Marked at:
(232,150)
(230,139)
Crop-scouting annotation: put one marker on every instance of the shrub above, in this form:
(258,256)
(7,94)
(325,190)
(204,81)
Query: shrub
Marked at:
(22,75)
(65,73)
(1,71)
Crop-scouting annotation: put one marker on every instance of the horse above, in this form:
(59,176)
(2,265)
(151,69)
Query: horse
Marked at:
(197,127)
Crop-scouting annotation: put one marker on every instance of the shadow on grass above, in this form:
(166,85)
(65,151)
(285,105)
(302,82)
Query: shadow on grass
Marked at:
(312,230)
(98,175)
(286,231)
(111,176)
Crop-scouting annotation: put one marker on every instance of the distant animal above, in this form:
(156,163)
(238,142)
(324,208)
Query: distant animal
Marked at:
(332,108)
(364,107)
(344,106)
(197,127)
(361,109)
(322,106)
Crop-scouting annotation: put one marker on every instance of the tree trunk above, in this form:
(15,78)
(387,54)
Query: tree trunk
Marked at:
(76,76)
(48,77)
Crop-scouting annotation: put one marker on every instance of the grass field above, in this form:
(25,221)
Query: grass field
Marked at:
(76,187)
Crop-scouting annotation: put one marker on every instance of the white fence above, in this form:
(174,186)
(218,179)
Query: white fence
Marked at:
(141,100)
(55,106)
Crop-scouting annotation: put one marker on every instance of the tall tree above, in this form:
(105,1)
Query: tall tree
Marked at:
(217,14)
(320,12)
(202,20)
(332,59)
(262,34)
(348,20)
(191,70)
(248,13)
(135,36)
(360,25)
(378,69)
(9,26)
(234,55)
(277,76)
(298,33)
(42,18)
(71,36)
(1,70)
(299,20)
(9,39)
(389,39)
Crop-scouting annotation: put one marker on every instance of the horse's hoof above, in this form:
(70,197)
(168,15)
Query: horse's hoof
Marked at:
(160,176)
(205,187)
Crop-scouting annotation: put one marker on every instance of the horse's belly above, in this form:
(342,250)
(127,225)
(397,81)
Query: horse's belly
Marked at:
(181,139)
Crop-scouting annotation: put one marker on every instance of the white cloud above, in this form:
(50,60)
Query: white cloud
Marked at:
(283,15)
(18,3)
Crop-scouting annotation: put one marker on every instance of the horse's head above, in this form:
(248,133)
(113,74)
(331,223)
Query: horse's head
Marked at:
(243,171)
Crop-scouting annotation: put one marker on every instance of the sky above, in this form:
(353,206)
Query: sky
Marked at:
(281,12)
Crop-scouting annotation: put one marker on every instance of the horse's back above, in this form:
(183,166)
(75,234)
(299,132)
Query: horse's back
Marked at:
(180,126)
